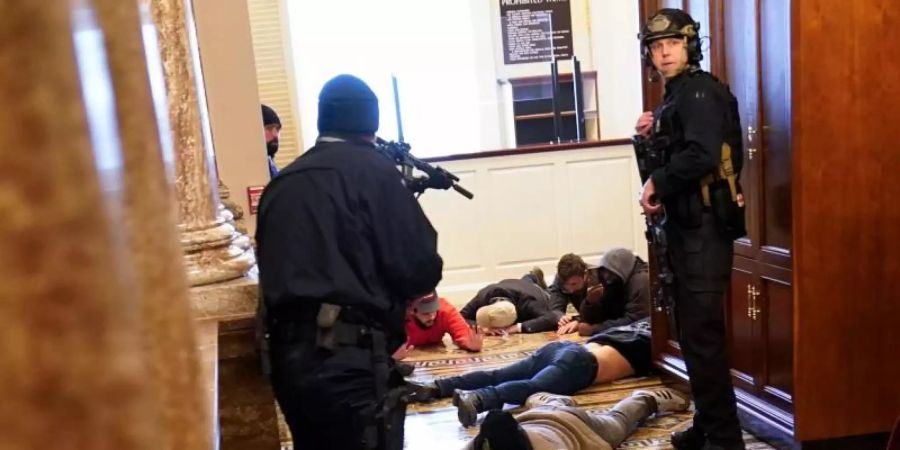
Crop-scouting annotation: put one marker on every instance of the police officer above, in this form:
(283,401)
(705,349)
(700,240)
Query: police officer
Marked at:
(699,126)
(342,246)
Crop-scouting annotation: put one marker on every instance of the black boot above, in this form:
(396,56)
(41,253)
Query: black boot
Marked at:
(735,446)
(405,369)
(690,439)
(423,392)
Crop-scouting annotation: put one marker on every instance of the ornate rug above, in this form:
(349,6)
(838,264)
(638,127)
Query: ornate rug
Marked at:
(434,426)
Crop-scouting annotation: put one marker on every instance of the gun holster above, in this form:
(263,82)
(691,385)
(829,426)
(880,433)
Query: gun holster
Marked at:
(328,326)
(722,193)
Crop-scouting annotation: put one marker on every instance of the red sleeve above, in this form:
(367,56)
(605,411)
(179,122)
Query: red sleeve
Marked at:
(457,326)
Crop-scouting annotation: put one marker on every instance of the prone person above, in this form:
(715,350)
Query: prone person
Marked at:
(560,367)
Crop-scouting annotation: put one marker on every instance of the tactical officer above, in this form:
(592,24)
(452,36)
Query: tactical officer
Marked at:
(695,193)
(342,247)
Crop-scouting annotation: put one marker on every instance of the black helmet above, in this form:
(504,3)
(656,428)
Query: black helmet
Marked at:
(670,22)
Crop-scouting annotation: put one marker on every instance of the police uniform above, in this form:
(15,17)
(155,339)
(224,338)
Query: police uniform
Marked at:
(699,119)
(337,227)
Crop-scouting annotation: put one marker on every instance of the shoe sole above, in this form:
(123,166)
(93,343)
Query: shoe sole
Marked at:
(460,414)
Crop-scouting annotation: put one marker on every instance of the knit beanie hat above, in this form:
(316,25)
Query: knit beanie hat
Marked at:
(500,431)
(347,105)
(270,117)
(619,261)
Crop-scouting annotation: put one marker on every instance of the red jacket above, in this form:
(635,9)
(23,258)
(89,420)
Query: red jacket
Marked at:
(447,320)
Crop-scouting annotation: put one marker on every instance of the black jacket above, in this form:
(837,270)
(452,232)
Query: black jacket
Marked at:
(337,225)
(560,300)
(532,304)
(632,305)
(698,115)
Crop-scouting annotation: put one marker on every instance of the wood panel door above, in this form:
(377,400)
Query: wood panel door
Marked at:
(774,161)
(743,334)
(760,312)
(741,72)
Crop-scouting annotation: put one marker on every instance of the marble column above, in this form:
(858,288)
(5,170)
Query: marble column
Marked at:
(72,372)
(150,224)
(214,250)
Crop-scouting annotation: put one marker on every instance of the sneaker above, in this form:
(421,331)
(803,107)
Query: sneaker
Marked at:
(667,400)
(538,276)
(467,405)
(546,398)
(690,439)
(423,392)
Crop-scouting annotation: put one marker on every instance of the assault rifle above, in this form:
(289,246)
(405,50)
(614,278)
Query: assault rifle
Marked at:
(651,153)
(435,176)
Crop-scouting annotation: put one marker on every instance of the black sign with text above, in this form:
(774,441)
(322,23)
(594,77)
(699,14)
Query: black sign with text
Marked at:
(528,26)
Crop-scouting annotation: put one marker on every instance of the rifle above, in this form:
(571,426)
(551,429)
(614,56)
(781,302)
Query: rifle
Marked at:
(651,153)
(435,176)
(398,152)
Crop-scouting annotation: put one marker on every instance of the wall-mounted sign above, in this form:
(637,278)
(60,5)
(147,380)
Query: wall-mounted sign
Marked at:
(253,195)
(535,30)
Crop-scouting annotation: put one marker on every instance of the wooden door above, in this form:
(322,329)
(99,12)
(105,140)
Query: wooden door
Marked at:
(743,334)
(774,163)
(760,310)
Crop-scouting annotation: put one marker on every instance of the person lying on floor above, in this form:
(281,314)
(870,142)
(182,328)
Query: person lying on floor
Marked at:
(531,306)
(568,285)
(553,422)
(560,367)
(619,295)
(428,318)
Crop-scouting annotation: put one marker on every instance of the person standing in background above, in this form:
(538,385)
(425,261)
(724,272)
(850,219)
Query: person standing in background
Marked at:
(272,127)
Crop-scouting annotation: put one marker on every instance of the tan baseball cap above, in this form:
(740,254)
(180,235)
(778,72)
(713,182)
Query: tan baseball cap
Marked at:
(501,313)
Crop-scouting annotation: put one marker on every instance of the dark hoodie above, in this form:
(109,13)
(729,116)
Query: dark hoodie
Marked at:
(625,301)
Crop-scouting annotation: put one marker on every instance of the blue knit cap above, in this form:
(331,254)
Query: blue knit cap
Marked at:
(347,105)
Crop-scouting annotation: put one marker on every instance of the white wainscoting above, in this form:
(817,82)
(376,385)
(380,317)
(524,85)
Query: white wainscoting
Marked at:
(531,209)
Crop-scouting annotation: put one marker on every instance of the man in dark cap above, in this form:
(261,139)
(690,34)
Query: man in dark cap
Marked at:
(695,189)
(342,247)
(272,127)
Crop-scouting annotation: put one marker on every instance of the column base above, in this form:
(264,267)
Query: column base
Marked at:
(216,254)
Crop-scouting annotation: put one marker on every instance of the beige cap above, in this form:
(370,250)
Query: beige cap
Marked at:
(499,314)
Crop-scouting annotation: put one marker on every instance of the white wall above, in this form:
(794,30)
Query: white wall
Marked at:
(226,54)
(604,34)
(531,209)
(616,52)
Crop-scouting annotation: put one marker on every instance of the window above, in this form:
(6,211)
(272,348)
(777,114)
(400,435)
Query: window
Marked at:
(431,50)
(457,93)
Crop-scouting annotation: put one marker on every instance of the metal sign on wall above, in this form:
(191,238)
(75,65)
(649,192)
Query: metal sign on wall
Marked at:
(535,30)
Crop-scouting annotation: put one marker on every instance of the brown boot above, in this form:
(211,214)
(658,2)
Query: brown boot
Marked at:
(538,276)
(468,405)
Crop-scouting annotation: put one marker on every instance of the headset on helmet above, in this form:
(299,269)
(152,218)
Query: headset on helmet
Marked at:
(669,22)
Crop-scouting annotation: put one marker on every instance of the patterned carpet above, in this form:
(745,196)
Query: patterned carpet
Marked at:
(434,426)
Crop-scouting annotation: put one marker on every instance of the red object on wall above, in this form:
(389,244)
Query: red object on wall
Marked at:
(253,195)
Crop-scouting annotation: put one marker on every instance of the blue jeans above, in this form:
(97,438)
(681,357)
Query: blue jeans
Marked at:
(559,368)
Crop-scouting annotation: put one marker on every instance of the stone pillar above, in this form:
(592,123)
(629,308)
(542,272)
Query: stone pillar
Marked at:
(214,250)
(152,237)
(72,372)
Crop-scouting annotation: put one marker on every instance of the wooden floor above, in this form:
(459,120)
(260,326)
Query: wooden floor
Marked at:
(434,426)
